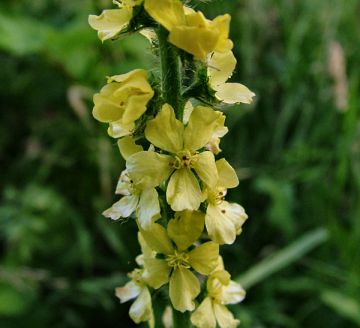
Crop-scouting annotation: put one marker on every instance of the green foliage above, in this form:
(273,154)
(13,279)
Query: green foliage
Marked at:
(296,153)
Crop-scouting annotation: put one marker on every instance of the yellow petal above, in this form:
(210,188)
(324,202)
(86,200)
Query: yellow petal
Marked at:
(110,22)
(118,129)
(123,208)
(148,210)
(224,317)
(134,75)
(221,67)
(203,316)
(157,239)
(141,309)
(183,289)
(168,13)
(215,284)
(203,258)
(227,175)
(222,24)
(156,272)
(186,228)
(205,168)
(165,131)
(187,111)
(234,93)
(127,147)
(233,293)
(203,123)
(148,169)
(183,191)
(128,292)
(220,228)
(235,213)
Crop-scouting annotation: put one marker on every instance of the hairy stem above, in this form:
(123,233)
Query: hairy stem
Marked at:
(170,73)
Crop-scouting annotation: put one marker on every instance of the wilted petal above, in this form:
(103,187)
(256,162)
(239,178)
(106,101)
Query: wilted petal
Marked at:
(234,93)
(227,175)
(235,213)
(233,293)
(148,210)
(203,258)
(148,169)
(141,309)
(224,317)
(156,272)
(205,168)
(128,292)
(183,191)
(123,208)
(183,289)
(203,316)
(186,228)
(165,131)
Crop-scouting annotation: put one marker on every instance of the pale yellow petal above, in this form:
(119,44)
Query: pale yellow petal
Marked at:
(141,309)
(203,316)
(136,106)
(157,239)
(234,93)
(220,228)
(222,24)
(235,213)
(224,317)
(165,131)
(168,13)
(128,292)
(118,129)
(203,123)
(148,210)
(220,67)
(148,169)
(123,208)
(205,168)
(183,191)
(110,22)
(187,111)
(127,147)
(183,289)
(186,228)
(156,272)
(204,258)
(106,108)
(227,175)
(233,293)
(134,75)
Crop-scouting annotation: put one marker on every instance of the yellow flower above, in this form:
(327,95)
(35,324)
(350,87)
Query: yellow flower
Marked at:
(141,310)
(150,169)
(122,101)
(110,22)
(221,291)
(144,202)
(223,220)
(180,21)
(221,66)
(184,230)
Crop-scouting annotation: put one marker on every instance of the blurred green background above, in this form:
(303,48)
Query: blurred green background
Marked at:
(296,150)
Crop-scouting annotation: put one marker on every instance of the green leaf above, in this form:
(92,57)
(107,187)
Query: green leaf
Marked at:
(283,258)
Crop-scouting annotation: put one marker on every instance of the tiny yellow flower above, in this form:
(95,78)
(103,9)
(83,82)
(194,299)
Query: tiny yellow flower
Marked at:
(184,230)
(122,101)
(180,21)
(110,22)
(221,66)
(221,291)
(150,169)
(223,220)
(141,310)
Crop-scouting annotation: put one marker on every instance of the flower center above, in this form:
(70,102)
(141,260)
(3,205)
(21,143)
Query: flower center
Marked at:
(184,159)
(216,196)
(178,260)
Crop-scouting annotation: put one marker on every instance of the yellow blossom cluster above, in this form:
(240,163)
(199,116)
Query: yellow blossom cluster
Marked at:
(173,184)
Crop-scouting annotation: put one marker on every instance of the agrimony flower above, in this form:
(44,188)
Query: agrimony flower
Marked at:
(183,144)
(221,291)
(175,267)
(223,220)
(220,68)
(122,101)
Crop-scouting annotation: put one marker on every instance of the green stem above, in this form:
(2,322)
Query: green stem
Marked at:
(170,73)
(181,320)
